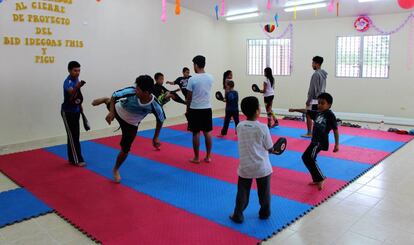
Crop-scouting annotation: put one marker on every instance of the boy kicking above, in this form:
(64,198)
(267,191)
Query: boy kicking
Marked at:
(324,121)
(129,106)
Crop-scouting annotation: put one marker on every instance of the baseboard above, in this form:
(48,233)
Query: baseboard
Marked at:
(90,135)
(360,117)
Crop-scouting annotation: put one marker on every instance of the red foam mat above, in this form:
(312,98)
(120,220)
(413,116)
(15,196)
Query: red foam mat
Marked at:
(111,213)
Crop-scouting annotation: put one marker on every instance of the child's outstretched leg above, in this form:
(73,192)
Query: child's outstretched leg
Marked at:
(309,159)
(177,98)
(102,100)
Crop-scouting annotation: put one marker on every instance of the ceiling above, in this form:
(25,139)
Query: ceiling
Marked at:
(346,8)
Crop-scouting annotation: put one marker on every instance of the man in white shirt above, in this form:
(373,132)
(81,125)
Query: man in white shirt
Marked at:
(199,113)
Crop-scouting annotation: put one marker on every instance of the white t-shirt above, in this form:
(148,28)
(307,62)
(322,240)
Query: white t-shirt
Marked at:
(254,143)
(200,85)
(269,89)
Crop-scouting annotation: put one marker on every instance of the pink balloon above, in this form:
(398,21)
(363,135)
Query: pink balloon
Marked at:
(406,4)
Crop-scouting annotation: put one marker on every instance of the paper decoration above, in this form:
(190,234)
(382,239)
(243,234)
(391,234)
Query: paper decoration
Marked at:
(362,23)
(177,7)
(164,11)
(269,28)
(277,19)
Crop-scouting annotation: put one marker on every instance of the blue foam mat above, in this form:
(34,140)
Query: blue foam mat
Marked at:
(201,195)
(350,140)
(332,167)
(19,204)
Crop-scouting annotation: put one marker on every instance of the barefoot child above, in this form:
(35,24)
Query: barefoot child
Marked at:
(129,106)
(162,93)
(324,121)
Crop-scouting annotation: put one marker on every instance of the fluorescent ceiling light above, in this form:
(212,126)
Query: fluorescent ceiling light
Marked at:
(305,7)
(302,2)
(241,11)
(364,1)
(242,16)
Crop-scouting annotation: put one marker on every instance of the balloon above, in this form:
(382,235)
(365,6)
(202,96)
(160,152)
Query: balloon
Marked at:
(406,4)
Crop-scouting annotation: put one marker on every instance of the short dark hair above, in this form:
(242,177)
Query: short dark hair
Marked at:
(318,60)
(73,64)
(145,83)
(158,75)
(249,106)
(185,69)
(327,97)
(200,61)
(230,83)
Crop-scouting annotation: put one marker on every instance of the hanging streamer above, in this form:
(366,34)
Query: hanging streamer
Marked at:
(294,13)
(410,50)
(337,9)
(164,11)
(331,6)
(277,20)
(177,7)
(269,5)
(216,8)
(316,12)
(223,8)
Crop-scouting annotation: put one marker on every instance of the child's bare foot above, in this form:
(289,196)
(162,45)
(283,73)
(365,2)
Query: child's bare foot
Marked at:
(320,185)
(99,101)
(117,177)
(195,160)
(207,159)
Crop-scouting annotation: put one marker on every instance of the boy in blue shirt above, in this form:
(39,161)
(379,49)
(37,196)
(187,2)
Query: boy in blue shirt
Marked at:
(71,110)
(324,121)
(129,106)
(232,107)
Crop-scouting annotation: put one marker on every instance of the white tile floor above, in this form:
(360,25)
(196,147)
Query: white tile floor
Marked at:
(378,208)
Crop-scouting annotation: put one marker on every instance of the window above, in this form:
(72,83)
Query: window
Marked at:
(273,53)
(363,56)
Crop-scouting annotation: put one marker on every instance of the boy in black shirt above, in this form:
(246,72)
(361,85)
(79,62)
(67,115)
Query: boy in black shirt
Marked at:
(232,107)
(182,81)
(162,93)
(324,121)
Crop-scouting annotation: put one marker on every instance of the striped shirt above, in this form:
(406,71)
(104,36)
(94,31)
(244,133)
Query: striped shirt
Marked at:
(131,110)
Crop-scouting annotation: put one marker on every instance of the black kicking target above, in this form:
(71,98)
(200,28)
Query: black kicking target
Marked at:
(255,88)
(219,96)
(280,146)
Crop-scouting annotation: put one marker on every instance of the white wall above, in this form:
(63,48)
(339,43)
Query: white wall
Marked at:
(391,97)
(123,39)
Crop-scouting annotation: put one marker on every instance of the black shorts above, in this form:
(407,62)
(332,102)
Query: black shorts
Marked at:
(268,99)
(129,132)
(200,120)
